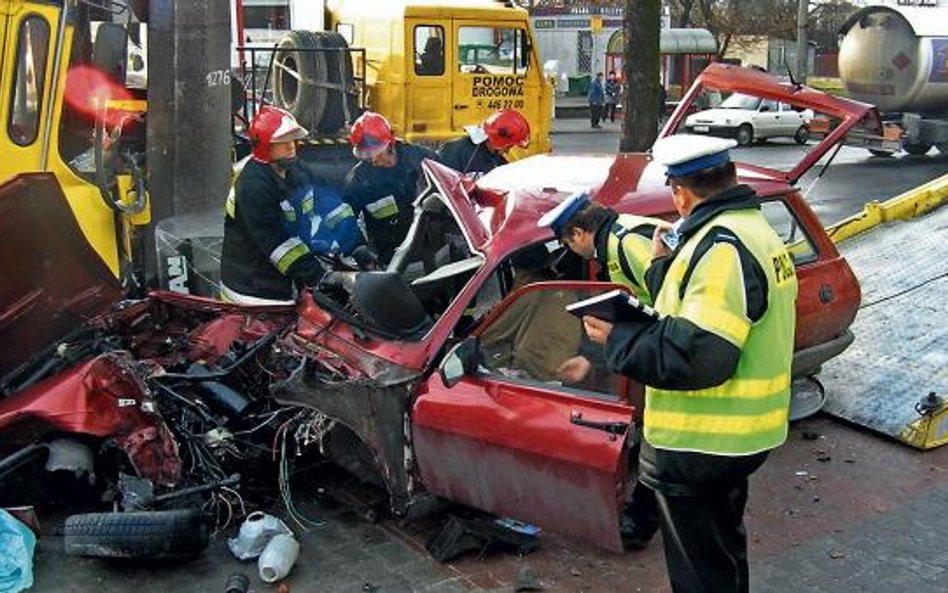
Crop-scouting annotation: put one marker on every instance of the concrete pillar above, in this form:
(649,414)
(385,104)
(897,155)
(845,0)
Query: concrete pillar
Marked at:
(189,118)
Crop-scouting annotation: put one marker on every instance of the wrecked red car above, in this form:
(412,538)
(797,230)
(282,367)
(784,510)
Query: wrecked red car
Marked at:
(410,386)
(421,407)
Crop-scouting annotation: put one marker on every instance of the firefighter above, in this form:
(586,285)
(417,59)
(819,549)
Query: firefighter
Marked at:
(716,366)
(382,187)
(622,246)
(262,260)
(486,145)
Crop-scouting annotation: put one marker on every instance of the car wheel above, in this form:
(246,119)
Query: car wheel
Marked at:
(147,534)
(917,149)
(744,135)
(802,135)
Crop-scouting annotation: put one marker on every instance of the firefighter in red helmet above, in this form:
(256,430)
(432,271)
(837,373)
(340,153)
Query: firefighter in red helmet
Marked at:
(262,261)
(485,146)
(383,185)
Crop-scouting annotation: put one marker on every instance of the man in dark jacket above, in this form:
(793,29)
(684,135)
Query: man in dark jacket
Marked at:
(384,184)
(485,146)
(596,97)
(262,261)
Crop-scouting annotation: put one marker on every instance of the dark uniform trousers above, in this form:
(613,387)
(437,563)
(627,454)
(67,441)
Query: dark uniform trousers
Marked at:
(701,499)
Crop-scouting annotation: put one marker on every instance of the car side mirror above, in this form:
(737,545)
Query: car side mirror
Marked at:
(461,361)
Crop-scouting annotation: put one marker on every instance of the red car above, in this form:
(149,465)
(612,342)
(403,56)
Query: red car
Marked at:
(415,390)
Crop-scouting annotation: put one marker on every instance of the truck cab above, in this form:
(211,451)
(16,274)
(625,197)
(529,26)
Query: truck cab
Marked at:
(435,67)
(47,50)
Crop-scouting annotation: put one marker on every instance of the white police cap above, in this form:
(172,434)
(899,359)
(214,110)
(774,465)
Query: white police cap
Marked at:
(684,154)
(557,218)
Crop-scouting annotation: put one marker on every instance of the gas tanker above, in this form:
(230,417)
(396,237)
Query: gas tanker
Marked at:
(896,57)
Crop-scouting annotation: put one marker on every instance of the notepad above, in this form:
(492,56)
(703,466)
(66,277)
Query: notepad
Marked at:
(614,306)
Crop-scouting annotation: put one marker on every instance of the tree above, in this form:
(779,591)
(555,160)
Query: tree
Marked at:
(641,27)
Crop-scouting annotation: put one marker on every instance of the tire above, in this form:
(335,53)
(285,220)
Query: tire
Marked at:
(152,534)
(802,135)
(306,98)
(341,106)
(884,154)
(917,149)
(744,135)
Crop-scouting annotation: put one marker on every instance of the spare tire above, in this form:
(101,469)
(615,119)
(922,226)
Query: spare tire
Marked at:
(342,102)
(152,534)
(299,78)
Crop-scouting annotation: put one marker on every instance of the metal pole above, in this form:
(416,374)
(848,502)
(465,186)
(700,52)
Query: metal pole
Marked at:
(803,8)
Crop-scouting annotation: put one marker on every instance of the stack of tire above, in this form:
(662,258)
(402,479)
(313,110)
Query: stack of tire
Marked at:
(317,87)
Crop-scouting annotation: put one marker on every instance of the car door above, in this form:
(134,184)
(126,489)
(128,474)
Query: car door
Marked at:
(790,120)
(503,437)
(767,119)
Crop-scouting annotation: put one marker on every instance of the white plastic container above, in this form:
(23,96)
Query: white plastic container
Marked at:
(278,558)
(255,532)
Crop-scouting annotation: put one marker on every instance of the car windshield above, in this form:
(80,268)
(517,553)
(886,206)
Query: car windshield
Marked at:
(739,101)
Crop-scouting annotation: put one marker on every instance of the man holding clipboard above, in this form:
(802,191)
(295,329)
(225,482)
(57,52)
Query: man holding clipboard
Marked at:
(716,365)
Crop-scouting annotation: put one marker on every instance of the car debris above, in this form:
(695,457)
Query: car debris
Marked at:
(237,583)
(255,533)
(278,557)
(459,536)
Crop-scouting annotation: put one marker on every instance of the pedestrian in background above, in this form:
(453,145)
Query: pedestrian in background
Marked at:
(613,90)
(716,364)
(596,98)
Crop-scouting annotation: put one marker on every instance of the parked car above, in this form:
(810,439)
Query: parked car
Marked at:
(747,118)
(408,391)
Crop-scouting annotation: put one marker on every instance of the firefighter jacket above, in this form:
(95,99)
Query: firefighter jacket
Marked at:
(260,257)
(385,196)
(469,158)
(717,365)
(316,213)
(624,252)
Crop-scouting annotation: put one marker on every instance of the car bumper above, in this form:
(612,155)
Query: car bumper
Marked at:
(712,130)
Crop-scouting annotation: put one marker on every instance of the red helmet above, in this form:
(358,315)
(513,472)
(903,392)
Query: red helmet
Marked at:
(272,124)
(506,129)
(370,135)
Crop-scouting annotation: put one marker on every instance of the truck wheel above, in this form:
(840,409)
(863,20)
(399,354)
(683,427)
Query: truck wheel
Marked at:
(802,135)
(917,149)
(744,135)
(342,103)
(300,77)
(151,534)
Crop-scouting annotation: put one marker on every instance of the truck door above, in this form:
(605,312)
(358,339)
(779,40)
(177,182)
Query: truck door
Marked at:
(429,89)
(494,68)
(25,75)
(510,439)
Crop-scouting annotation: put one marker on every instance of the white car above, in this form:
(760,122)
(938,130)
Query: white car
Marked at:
(746,118)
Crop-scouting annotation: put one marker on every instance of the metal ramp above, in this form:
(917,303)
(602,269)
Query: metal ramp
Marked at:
(900,352)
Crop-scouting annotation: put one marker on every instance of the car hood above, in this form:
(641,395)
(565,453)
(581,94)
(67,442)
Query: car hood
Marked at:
(726,77)
(53,280)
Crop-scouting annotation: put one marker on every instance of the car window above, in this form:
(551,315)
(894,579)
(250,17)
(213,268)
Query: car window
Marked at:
(768,105)
(790,231)
(739,101)
(534,340)
(492,50)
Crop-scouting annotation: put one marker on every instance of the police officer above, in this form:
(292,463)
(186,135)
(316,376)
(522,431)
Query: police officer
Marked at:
(622,246)
(485,146)
(716,366)
(383,185)
(262,261)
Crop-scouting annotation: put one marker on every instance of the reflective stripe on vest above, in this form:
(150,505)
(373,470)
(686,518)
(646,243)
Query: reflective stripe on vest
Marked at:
(338,214)
(287,252)
(629,252)
(230,206)
(383,208)
(288,212)
(747,413)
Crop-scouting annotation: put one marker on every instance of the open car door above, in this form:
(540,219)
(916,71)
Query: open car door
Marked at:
(493,429)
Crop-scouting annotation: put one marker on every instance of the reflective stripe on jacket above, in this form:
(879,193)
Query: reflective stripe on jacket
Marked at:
(705,287)
(625,252)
